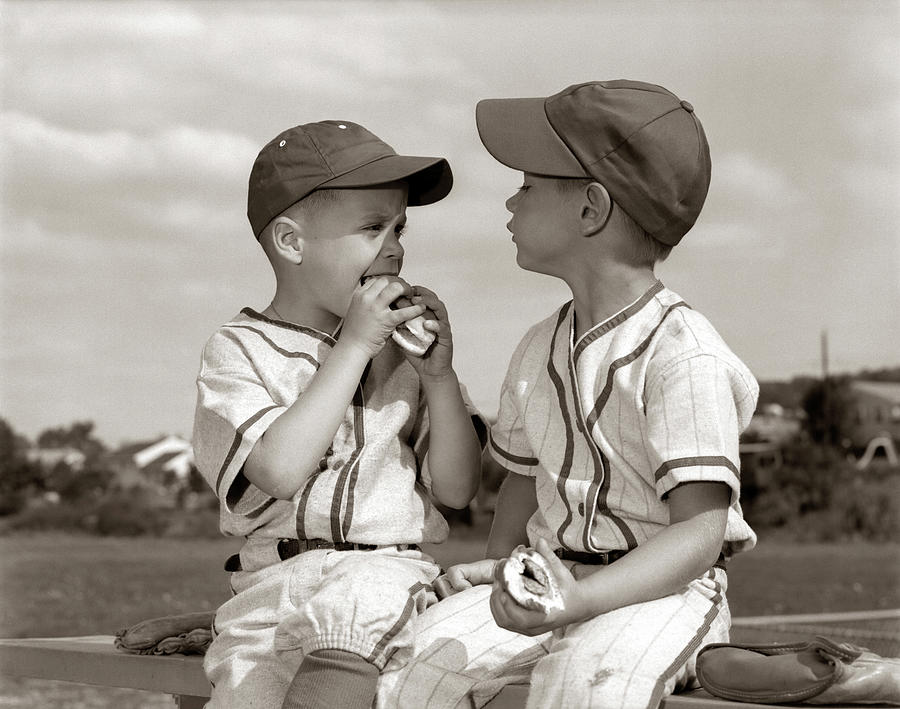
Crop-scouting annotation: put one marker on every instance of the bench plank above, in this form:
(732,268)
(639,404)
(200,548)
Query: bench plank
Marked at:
(95,660)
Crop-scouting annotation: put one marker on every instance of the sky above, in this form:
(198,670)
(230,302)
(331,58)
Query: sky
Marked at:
(127,132)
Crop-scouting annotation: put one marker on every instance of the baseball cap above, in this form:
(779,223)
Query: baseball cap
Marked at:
(333,154)
(639,140)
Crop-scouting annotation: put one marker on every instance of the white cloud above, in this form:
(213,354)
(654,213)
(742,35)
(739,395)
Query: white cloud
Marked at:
(97,182)
(38,146)
(65,24)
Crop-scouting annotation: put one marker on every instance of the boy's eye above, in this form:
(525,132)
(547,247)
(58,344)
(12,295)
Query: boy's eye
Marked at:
(400,230)
(524,188)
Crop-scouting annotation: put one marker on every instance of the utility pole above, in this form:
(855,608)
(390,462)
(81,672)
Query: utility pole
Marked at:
(826,404)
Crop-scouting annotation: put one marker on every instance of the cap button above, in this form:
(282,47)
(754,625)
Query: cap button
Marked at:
(687,107)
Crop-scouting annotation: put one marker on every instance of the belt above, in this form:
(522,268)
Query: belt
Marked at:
(603,558)
(598,558)
(288,548)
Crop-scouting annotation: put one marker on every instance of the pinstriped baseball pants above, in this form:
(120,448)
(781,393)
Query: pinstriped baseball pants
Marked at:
(365,602)
(629,658)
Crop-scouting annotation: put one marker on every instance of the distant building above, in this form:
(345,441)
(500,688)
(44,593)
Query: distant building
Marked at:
(162,464)
(773,424)
(761,443)
(873,412)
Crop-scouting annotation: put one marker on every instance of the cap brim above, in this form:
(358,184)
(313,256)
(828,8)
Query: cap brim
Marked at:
(517,133)
(429,179)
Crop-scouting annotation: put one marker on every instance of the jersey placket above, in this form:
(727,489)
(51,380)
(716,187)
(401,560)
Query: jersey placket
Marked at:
(600,464)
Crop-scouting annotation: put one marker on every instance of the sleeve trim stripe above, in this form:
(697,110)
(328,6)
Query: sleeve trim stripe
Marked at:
(694,461)
(238,439)
(262,508)
(512,458)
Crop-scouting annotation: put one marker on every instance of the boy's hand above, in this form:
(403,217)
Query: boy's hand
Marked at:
(370,319)
(462,576)
(510,615)
(438,359)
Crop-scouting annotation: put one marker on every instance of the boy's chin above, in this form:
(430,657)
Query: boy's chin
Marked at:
(527,265)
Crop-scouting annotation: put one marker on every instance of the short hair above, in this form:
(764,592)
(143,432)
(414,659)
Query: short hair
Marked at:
(645,250)
(313,201)
(304,207)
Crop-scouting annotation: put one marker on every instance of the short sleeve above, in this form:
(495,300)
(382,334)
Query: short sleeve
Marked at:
(233,411)
(696,410)
(508,443)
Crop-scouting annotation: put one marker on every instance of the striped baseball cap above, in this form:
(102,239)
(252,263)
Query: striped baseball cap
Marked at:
(334,154)
(640,141)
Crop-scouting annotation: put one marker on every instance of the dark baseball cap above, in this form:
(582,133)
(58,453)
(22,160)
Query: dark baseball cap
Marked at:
(334,154)
(640,141)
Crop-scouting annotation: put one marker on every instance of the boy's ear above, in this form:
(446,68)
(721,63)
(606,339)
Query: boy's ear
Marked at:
(596,207)
(287,239)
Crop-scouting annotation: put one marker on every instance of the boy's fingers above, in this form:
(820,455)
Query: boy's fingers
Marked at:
(393,290)
(553,561)
(430,299)
(458,578)
(401,315)
(497,609)
(423,292)
(443,588)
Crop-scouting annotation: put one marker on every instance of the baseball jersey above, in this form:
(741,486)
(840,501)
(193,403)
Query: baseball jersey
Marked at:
(371,486)
(609,425)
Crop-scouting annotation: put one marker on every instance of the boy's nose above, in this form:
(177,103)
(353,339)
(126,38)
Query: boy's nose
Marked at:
(391,248)
(510,203)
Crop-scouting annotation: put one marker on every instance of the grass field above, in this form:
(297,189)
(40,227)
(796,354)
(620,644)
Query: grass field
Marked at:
(70,585)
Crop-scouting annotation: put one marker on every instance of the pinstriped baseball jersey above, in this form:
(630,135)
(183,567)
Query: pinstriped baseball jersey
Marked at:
(609,425)
(370,487)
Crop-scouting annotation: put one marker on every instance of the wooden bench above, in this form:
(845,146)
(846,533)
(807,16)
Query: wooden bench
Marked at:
(94,660)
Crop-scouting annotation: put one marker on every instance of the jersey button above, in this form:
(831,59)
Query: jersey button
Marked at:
(581,508)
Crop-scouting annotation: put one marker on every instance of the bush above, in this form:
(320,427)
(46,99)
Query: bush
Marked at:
(46,517)
(116,514)
(819,496)
(127,516)
(201,523)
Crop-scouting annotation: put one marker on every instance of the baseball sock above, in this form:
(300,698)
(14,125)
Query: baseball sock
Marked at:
(332,678)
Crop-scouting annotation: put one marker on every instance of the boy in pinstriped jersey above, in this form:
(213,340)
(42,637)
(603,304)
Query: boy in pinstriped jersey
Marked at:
(618,423)
(321,437)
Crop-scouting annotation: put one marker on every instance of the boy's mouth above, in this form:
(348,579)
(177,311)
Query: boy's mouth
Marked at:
(368,276)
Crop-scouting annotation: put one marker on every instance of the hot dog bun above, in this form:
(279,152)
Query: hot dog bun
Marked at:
(412,335)
(527,577)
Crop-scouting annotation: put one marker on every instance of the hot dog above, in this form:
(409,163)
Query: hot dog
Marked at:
(527,577)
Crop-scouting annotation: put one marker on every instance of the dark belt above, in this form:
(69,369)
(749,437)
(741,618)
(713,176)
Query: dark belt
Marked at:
(288,548)
(597,558)
(603,558)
